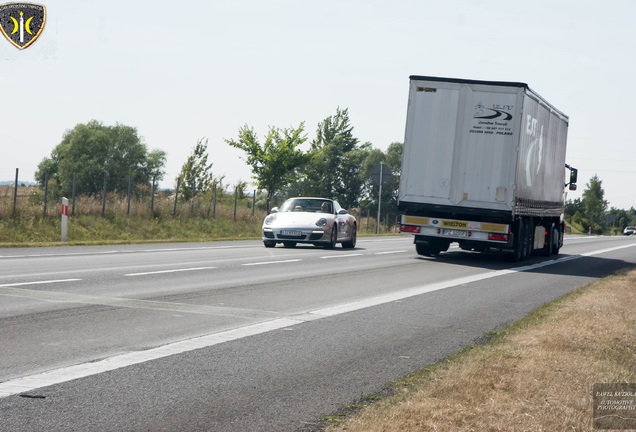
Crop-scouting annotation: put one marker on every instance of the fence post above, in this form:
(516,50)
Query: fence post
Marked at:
(235,199)
(194,189)
(176,194)
(152,195)
(73,197)
(214,202)
(46,191)
(15,191)
(129,193)
(253,202)
(104,195)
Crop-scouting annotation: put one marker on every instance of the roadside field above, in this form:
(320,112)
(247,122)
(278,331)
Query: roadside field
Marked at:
(537,375)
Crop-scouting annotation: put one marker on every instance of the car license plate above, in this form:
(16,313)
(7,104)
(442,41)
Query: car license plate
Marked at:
(291,233)
(454,233)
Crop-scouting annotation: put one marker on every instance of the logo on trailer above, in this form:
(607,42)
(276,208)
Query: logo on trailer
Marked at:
(497,112)
(22,23)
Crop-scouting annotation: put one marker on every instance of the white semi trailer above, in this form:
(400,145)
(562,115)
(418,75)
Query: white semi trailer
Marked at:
(484,166)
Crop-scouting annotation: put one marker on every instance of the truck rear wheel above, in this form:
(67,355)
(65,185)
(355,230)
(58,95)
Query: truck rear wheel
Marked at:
(426,249)
(556,239)
(548,243)
(529,237)
(519,246)
(431,246)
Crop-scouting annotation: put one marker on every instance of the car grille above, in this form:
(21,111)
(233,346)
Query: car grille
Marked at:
(315,237)
(288,237)
(268,234)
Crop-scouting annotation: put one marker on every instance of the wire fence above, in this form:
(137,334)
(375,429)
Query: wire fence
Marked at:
(22,200)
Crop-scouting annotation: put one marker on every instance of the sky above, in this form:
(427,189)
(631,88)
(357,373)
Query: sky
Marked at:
(182,71)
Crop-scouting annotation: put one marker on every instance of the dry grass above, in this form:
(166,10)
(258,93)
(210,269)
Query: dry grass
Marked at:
(537,376)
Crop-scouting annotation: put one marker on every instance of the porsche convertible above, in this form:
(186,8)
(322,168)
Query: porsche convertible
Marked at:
(317,221)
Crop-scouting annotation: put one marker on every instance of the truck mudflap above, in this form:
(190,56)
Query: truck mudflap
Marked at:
(457,230)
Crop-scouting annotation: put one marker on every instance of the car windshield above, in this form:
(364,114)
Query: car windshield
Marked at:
(307,205)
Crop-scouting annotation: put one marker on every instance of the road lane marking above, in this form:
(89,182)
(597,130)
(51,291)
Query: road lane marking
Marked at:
(340,256)
(169,271)
(57,376)
(38,282)
(28,383)
(122,302)
(390,252)
(271,262)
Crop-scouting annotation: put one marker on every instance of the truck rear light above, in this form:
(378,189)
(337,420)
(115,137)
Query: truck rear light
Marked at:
(410,229)
(498,237)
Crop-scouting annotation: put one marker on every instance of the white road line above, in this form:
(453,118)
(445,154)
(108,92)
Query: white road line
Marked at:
(340,256)
(38,282)
(169,271)
(271,262)
(45,255)
(29,383)
(389,252)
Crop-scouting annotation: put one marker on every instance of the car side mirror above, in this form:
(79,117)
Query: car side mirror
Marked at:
(274,210)
(343,212)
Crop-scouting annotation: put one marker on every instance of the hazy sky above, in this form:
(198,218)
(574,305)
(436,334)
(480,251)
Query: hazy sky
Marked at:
(180,71)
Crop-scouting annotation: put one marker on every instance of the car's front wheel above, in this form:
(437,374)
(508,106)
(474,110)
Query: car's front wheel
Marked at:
(333,238)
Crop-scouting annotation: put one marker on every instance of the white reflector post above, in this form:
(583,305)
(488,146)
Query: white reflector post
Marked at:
(64,219)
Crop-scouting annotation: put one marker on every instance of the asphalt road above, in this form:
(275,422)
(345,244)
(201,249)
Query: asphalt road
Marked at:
(231,336)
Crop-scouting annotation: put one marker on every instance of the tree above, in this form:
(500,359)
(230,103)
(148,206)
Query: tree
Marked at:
(91,150)
(594,204)
(196,174)
(336,161)
(572,207)
(274,163)
(392,158)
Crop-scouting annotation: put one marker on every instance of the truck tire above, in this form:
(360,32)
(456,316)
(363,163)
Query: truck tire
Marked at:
(529,237)
(556,237)
(431,247)
(425,249)
(548,243)
(519,245)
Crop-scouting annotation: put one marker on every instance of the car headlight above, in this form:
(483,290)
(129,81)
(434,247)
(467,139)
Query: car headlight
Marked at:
(269,219)
(321,222)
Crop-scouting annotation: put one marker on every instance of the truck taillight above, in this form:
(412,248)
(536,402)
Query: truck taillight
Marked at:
(498,237)
(410,229)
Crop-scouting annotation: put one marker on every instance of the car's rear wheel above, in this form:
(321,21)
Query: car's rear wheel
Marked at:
(269,243)
(352,241)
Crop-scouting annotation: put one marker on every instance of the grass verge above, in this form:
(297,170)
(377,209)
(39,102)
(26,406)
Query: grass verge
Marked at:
(535,376)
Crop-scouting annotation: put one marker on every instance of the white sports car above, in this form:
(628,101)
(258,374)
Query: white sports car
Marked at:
(317,221)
